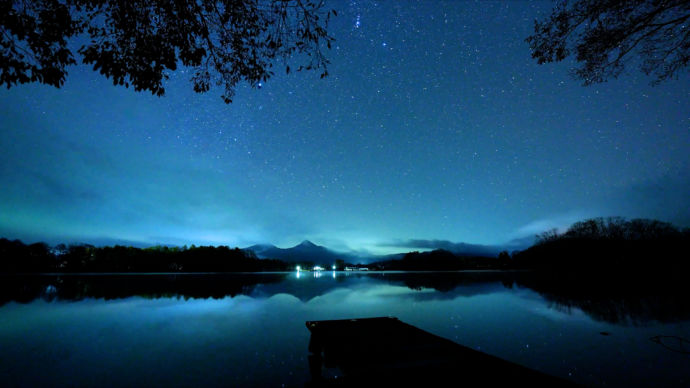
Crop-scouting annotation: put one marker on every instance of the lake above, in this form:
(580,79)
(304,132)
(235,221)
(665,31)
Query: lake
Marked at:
(249,329)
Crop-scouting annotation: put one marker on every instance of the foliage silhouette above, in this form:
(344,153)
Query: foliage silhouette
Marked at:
(604,35)
(615,270)
(16,257)
(599,244)
(138,42)
(610,245)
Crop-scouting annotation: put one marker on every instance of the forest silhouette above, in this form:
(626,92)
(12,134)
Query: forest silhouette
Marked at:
(594,247)
(615,270)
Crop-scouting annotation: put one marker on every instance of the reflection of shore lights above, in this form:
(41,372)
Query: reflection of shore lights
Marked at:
(298,273)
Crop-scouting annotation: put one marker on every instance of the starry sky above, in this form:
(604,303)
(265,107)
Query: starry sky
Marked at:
(434,125)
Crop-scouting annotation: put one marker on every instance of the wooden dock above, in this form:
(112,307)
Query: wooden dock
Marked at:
(389,352)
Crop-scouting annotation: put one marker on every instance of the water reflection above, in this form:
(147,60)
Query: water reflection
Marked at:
(248,329)
(627,302)
(24,289)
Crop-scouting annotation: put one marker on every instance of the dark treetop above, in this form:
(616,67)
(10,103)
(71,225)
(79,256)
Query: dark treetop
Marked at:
(138,42)
(605,35)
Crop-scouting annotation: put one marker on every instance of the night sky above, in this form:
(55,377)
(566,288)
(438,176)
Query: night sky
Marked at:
(434,124)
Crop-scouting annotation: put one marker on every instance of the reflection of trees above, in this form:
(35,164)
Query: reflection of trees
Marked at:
(24,289)
(627,298)
(631,299)
(615,270)
(449,281)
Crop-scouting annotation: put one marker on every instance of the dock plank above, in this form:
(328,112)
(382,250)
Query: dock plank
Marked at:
(387,351)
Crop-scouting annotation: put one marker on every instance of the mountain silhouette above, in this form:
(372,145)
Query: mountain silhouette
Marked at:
(307,244)
(306,251)
(462,248)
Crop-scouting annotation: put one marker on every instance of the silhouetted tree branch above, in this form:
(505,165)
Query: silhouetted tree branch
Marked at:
(610,245)
(138,42)
(605,35)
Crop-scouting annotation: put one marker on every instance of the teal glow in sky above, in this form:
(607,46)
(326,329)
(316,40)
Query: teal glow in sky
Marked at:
(435,124)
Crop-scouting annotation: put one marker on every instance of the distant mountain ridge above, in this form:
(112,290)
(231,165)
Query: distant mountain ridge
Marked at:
(462,248)
(302,252)
(307,251)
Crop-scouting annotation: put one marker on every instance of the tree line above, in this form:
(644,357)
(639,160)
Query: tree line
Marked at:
(597,245)
(610,244)
(16,256)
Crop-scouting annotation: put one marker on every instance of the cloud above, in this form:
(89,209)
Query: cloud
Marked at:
(560,222)
(666,198)
(519,243)
(105,241)
(462,248)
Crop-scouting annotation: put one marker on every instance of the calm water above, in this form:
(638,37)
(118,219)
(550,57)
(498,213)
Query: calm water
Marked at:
(249,329)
